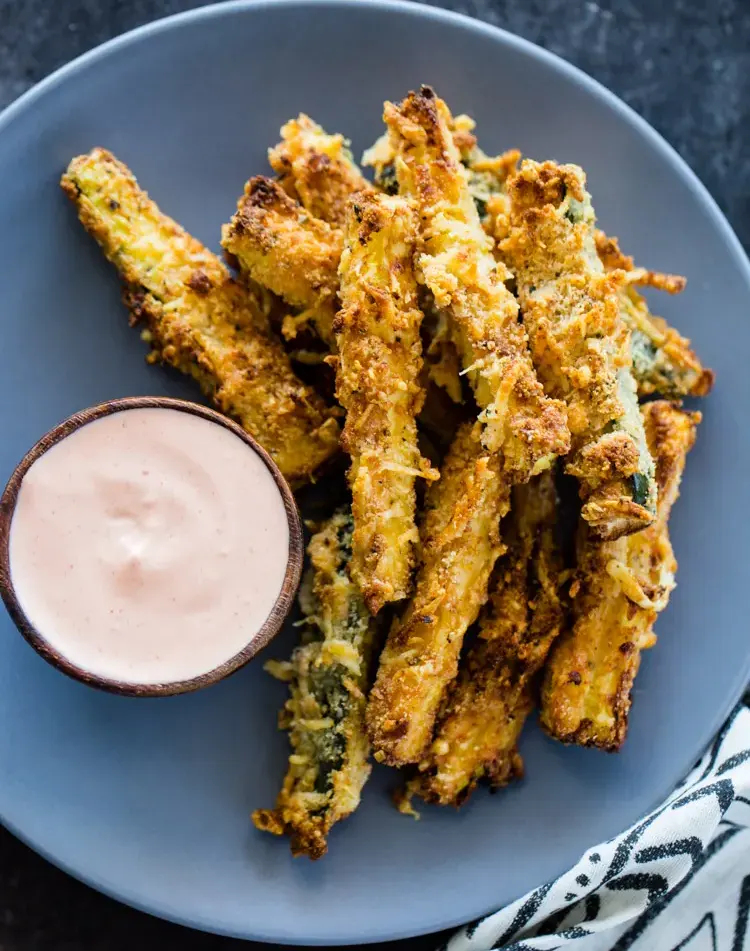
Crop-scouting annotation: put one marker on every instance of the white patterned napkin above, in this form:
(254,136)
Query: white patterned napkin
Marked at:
(678,880)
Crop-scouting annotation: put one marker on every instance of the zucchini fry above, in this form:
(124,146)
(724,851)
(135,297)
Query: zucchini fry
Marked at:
(580,343)
(478,729)
(198,320)
(317,169)
(460,544)
(614,259)
(622,586)
(486,174)
(377,382)
(275,242)
(663,362)
(327,677)
(442,362)
(487,177)
(458,267)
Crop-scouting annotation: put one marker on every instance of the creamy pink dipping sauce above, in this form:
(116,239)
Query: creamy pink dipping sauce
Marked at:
(149,546)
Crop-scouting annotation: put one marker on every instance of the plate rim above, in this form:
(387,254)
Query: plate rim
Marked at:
(680,167)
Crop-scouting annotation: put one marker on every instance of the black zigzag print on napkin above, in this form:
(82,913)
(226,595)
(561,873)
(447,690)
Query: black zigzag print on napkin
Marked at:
(678,880)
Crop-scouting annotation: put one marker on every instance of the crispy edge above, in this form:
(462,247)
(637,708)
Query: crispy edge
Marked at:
(579,342)
(671,368)
(622,586)
(458,267)
(337,646)
(377,382)
(460,544)
(486,182)
(478,728)
(317,169)
(213,329)
(487,173)
(613,258)
(278,244)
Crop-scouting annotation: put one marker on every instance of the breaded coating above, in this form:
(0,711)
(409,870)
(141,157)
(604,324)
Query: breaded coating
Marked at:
(613,258)
(580,343)
(458,267)
(478,729)
(622,586)
(377,382)
(460,544)
(317,169)
(663,362)
(278,244)
(487,177)
(486,182)
(198,319)
(441,357)
(487,174)
(327,677)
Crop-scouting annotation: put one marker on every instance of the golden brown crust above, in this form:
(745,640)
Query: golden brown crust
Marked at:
(479,726)
(377,382)
(487,174)
(458,267)
(579,342)
(460,543)
(613,258)
(663,361)
(199,320)
(279,245)
(317,169)
(621,588)
(327,677)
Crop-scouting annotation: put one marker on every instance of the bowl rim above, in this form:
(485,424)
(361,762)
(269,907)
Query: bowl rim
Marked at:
(268,630)
(678,166)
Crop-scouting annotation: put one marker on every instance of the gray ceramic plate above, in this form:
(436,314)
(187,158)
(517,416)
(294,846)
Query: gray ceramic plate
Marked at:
(149,800)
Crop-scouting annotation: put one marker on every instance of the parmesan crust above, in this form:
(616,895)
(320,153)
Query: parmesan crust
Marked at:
(663,362)
(460,544)
(621,588)
(327,677)
(317,169)
(458,267)
(377,382)
(478,729)
(278,244)
(198,320)
(580,343)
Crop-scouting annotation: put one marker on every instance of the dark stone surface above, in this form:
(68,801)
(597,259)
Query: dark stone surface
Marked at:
(683,65)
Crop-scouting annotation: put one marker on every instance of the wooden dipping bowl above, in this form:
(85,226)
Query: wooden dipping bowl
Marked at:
(262,638)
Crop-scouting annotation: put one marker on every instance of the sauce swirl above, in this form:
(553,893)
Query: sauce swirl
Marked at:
(149,546)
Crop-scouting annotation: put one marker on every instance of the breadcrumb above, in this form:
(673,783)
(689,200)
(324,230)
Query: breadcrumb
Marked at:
(478,729)
(317,169)
(377,382)
(198,319)
(458,267)
(622,587)
(580,343)
(327,676)
(460,544)
(278,244)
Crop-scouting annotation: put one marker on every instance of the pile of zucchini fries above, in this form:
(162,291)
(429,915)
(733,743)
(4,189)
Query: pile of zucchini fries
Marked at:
(453,279)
